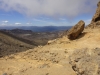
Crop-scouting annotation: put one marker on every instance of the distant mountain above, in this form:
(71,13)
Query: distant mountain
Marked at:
(35,35)
(34,38)
(18,40)
(37,28)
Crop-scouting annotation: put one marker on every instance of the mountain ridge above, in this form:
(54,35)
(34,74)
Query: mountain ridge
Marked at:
(38,28)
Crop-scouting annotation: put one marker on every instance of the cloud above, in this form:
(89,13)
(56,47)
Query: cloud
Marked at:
(39,20)
(18,23)
(3,24)
(5,21)
(28,23)
(50,8)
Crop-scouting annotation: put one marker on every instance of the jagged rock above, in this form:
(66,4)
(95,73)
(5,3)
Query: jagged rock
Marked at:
(51,41)
(95,23)
(91,25)
(98,23)
(75,31)
(96,17)
(86,62)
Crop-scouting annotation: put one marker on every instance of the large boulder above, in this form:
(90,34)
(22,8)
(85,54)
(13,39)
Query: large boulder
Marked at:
(75,31)
(96,17)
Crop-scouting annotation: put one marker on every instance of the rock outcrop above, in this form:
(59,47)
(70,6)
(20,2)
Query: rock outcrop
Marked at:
(75,31)
(96,17)
(86,62)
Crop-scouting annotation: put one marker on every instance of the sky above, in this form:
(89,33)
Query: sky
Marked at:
(46,12)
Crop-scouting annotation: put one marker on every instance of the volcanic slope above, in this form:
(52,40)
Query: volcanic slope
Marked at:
(52,59)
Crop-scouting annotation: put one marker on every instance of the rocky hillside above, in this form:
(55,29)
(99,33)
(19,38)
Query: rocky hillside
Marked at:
(10,45)
(96,18)
(63,56)
(58,58)
(34,38)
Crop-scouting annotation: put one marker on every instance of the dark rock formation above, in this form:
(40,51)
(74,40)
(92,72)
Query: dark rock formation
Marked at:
(96,17)
(95,23)
(75,31)
(86,62)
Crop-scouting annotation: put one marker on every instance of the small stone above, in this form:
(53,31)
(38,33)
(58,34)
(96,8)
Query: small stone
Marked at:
(47,73)
(5,74)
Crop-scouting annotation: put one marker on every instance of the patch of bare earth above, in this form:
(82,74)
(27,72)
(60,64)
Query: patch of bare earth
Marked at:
(52,59)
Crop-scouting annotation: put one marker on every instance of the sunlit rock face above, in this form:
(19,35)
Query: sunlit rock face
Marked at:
(75,31)
(96,16)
